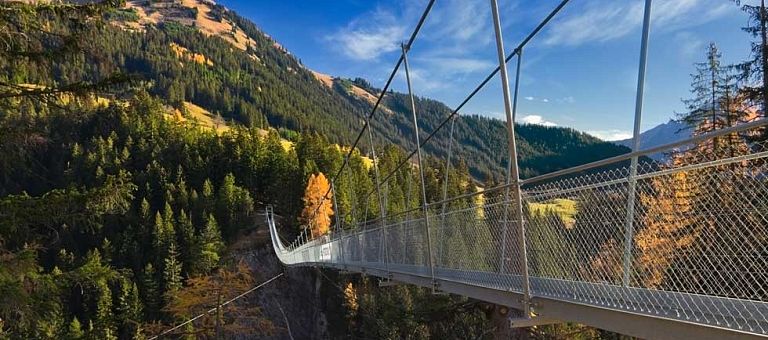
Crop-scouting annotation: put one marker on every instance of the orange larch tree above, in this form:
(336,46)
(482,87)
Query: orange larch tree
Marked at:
(317,211)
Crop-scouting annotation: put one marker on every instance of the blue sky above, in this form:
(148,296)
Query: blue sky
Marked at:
(580,71)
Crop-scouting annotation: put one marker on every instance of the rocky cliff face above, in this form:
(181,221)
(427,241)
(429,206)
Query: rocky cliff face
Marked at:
(291,301)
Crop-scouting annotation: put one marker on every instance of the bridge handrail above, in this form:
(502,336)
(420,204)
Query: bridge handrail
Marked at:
(617,159)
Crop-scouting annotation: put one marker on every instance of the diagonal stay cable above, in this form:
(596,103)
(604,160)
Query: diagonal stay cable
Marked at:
(477,89)
(384,90)
(214,308)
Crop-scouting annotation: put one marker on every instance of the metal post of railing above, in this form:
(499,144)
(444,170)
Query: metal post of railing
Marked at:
(445,190)
(352,204)
(514,174)
(629,226)
(334,200)
(383,211)
(334,203)
(408,196)
(421,166)
(362,226)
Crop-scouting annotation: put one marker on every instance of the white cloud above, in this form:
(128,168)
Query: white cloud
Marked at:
(380,33)
(611,135)
(450,26)
(460,21)
(600,21)
(421,80)
(536,120)
(455,65)
(439,57)
(531,99)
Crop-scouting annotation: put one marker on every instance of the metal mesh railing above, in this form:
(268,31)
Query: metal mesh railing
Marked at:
(684,239)
(698,246)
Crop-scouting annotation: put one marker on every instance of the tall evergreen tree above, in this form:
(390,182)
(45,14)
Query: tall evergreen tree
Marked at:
(704,108)
(104,326)
(756,68)
(158,237)
(187,243)
(210,245)
(171,273)
(150,292)
(715,103)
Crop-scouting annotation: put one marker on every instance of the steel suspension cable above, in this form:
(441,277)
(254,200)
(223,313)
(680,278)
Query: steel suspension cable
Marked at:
(167,331)
(477,89)
(380,98)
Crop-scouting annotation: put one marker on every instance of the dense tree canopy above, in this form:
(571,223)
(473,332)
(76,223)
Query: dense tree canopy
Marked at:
(116,217)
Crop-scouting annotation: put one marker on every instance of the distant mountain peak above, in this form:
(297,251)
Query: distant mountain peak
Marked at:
(665,133)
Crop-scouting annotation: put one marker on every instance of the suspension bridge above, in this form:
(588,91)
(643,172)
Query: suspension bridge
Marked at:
(654,249)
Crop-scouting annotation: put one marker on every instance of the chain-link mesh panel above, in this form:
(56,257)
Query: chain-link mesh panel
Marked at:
(686,238)
(693,245)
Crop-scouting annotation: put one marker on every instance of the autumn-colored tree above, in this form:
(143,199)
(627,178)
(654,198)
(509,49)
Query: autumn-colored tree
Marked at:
(317,211)
(668,222)
(680,236)
(350,300)
(237,318)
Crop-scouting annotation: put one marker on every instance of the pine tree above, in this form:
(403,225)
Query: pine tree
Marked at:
(226,200)
(145,211)
(158,236)
(181,189)
(134,304)
(150,292)
(128,308)
(74,331)
(187,242)
(756,69)
(104,327)
(715,103)
(171,273)
(194,201)
(168,231)
(122,301)
(704,109)
(207,195)
(131,322)
(210,244)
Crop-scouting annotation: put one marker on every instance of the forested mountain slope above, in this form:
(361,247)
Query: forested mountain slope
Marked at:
(117,221)
(236,70)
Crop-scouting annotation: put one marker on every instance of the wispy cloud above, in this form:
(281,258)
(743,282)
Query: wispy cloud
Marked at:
(454,65)
(611,135)
(368,39)
(600,21)
(450,26)
(536,120)
(537,99)
(422,81)
(689,45)
(456,22)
